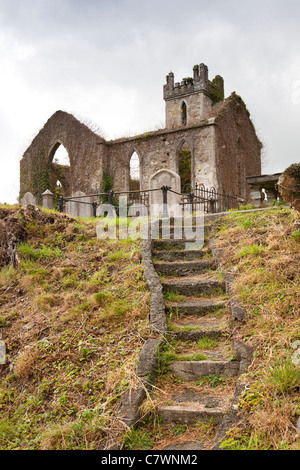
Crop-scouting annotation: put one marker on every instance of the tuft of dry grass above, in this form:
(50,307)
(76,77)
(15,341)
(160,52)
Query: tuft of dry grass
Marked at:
(24,363)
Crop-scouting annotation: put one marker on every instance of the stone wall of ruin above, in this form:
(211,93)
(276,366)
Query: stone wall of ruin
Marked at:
(224,151)
(199,107)
(238,153)
(160,150)
(87,153)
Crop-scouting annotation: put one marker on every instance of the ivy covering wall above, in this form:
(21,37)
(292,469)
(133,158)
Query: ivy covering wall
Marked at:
(40,174)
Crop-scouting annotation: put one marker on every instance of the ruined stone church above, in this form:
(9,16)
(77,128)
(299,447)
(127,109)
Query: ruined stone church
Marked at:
(207,139)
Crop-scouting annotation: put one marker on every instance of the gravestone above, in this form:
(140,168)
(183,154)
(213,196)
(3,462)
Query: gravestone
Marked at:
(256,197)
(79,207)
(29,198)
(47,199)
(136,210)
(157,181)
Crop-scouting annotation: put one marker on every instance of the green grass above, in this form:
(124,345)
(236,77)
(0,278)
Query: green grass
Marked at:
(173,296)
(283,375)
(296,235)
(136,439)
(252,250)
(211,380)
(206,343)
(166,357)
(28,252)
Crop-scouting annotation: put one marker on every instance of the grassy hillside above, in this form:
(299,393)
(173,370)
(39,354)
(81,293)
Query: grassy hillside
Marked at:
(262,250)
(73,316)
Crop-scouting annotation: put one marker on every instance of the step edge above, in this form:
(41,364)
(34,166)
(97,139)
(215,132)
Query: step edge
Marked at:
(193,408)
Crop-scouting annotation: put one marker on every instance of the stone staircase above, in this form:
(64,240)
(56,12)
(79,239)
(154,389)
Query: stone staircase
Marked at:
(199,338)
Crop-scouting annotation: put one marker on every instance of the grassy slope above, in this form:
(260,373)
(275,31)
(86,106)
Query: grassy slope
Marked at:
(73,317)
(75,313)
(262,249)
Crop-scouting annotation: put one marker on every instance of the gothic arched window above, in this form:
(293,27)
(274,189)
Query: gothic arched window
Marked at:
(134,182)
(60,155)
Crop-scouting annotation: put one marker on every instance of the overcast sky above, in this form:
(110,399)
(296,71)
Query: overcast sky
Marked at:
(106,61)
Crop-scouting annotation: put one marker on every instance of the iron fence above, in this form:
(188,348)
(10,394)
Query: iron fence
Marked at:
(210,200)
(197,199)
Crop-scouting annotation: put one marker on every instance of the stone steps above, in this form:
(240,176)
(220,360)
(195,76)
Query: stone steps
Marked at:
(193,370)
(188,220)
(190,405)
(201,314)
(183,268)
(189,414)
(194,286)
(180,228)
(171,244)
(190,235)
(213,332)
(196,307)
(181,255)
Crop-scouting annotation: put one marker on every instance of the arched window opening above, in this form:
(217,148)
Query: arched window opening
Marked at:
(183,114)
(61,156)
(185,167)
(134,178)
(59,171)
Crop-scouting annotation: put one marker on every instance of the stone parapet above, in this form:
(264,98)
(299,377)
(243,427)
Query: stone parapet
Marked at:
(198,83)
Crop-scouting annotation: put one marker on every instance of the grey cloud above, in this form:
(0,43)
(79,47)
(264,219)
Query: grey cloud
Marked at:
(107,60)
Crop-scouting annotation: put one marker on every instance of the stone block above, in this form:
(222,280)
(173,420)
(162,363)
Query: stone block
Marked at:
(192,370)
(47,199)
(147,363)
(256,198)
(79,206)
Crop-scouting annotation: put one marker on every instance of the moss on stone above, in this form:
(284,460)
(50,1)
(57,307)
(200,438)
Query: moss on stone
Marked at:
(40,174)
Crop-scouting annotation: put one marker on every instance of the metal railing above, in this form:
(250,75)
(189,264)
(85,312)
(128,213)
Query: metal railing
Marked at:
(198,199)
(210,200)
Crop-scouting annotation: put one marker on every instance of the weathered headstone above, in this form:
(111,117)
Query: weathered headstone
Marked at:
(256,197)
(157,181)
(79,206)
(29,198)
(136,210)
